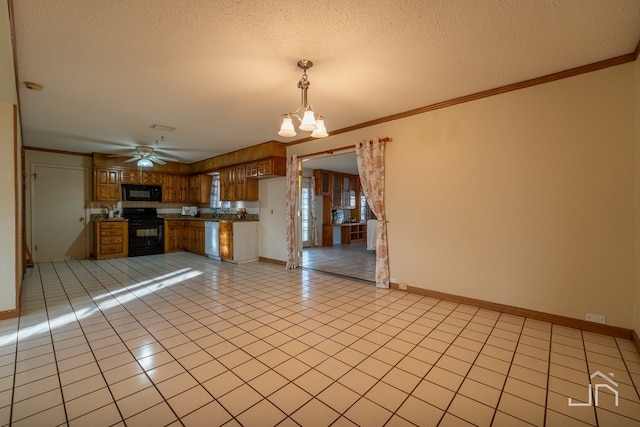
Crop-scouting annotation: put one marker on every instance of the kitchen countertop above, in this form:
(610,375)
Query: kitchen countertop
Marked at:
(102,218)
(178,217)
(230,218)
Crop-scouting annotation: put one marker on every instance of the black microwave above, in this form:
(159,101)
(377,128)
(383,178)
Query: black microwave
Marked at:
(141,193)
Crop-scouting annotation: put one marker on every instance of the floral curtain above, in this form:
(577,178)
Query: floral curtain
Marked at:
(314,238)
(292,181)
(370,157)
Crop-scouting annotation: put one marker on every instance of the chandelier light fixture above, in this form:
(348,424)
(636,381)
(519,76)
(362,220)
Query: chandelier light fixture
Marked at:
(309,121)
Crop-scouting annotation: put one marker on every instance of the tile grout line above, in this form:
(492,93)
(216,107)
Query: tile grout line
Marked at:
(506,377)
(64,402)
(227,302)
(46,311)
(586,359)
(187,370)
(154,384)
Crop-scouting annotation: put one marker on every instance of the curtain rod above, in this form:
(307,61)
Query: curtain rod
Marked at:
(333,150)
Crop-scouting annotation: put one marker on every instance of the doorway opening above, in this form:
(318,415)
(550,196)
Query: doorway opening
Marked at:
(341,215)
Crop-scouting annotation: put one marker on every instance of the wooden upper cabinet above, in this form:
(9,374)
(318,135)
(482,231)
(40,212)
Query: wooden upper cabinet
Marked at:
(251,169)
(236,186)
(130,177)
(169,193)
(106,184)
(275,166)
(227,187)
(336,190)
(200,188)
(323,182)
(240,182)
(152,178)
(181,187)
(349,191)
(341,189)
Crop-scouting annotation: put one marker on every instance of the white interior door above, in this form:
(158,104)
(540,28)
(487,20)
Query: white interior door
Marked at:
(58,213)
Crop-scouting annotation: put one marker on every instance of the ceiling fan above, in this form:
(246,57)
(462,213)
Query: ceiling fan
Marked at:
(145,157)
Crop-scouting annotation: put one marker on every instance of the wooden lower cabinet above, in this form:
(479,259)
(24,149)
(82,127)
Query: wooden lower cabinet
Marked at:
(173,235)
(110,239)
(197,237)
(238,241)
(190,234)
(349,233)
(226,240)
(327,234)
(355,232)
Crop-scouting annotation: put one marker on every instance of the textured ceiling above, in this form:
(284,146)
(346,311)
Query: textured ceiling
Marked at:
(223,72)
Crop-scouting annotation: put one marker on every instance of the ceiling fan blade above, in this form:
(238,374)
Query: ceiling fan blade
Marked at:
(157,160)
(133,159)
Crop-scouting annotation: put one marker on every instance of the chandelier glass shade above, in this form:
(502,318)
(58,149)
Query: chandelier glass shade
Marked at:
(309,121)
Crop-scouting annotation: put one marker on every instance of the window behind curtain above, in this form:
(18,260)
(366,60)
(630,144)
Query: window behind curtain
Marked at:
(215,202)
(365,212)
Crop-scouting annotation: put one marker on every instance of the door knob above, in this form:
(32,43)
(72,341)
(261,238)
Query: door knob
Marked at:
(81,219)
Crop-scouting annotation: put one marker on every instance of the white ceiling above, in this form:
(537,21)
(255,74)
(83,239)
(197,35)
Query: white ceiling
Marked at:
(223,72)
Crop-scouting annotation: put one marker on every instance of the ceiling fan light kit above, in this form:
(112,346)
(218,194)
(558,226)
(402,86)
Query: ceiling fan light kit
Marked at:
(144,163)
(308,122)
(145,157)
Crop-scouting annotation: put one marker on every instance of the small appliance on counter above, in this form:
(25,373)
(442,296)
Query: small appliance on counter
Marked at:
(242,213)
(189,211)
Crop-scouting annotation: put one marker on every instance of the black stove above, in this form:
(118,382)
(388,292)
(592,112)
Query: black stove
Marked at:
(146,231)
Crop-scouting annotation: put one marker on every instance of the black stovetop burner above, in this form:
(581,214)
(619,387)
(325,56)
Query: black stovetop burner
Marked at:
(139,213)
(148,215)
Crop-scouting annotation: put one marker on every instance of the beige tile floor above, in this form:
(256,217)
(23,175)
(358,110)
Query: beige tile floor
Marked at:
(353,260)
(178,339)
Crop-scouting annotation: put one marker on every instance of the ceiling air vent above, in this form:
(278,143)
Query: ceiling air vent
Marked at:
(162,127)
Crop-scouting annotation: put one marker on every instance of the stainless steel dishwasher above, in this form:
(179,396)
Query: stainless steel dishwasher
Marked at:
(212,239)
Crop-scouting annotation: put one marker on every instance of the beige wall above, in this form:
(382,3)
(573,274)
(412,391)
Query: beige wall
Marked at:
(9,265)
(8,226)
(271,234)
(525,199)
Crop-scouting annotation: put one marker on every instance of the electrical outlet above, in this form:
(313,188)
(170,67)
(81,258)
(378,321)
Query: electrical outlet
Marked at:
(598,318)
(402,286)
